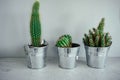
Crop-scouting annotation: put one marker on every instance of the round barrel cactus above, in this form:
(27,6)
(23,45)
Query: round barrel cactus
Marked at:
(64,41)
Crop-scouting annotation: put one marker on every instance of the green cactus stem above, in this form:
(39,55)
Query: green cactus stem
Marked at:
(91,41)
(108,39)
(96,32)
(101,25)
(35,25)
(90,32)
(97,41)
(86,39)
(109,42)
(102,41)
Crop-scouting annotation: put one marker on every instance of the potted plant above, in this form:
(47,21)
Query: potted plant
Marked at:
(67,52)
(97,44)
(36,52)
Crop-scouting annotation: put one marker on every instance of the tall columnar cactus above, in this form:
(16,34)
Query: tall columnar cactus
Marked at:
(35,25)
(97,37)
(64,41)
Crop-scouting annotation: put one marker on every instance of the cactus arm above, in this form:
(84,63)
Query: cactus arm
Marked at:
(90,32)
(108,42)
(91,41)
(96,32)
(86,39)
(101,25)
(97,41)
(85,42)
(94,29)
(108,39)
(102,41)
(106,35)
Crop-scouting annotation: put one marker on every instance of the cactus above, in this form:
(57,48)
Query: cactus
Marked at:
(97,40)
(64,41)
(35,25)
(91,42)
(102,41)
(97,37)
(101,25)
(108,39)
(86,39)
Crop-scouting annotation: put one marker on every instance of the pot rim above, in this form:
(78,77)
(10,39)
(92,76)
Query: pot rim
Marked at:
(45,44)
(97,47)
(77,45)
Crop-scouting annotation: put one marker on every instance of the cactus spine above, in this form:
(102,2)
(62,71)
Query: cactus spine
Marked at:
(64,41)
(97,37)
(35,25)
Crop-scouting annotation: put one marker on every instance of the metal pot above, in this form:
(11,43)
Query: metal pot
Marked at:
(96,56)
(68,56)
(36,56)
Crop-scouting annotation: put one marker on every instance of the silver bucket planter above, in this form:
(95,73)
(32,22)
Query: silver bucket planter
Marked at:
(36,56)
(68,56)
(96,56)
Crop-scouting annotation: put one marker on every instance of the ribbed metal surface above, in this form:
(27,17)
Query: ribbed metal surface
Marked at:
(36,56)
(96,56)
(68,57)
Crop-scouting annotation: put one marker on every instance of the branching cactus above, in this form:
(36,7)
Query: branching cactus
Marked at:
(35,26)
(97,37)
(64,41)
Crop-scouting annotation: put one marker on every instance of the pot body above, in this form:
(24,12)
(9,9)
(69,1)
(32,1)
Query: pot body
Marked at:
(36,56)
(68,56)
(96,56)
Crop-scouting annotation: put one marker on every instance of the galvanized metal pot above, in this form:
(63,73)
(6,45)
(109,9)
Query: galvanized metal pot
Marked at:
(36,56)
(68,56)
(96,56)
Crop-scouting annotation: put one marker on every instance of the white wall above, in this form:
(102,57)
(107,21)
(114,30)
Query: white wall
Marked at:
(58,17)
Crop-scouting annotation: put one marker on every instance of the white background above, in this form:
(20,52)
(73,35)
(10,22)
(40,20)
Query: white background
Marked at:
(58,17)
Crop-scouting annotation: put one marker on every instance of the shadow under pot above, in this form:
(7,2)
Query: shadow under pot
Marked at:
(36,56)
(68,56)
(96,56)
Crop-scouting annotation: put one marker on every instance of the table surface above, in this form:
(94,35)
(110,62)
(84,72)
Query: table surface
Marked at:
(16,69)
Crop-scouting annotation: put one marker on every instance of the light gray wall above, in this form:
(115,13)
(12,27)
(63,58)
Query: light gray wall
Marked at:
(58,17)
